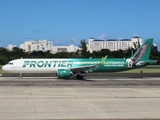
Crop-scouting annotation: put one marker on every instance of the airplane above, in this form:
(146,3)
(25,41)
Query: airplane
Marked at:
(67,67)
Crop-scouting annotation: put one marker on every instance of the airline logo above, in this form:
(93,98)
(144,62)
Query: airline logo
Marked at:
(47,63)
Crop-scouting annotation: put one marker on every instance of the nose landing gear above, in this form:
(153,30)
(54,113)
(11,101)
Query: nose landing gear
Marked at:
(20,76)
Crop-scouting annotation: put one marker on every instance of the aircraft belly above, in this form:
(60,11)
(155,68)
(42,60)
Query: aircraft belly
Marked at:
(110,68)
(39,70)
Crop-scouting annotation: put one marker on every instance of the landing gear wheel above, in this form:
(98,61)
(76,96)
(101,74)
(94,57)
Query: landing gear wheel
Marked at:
(79,77)
(20,76)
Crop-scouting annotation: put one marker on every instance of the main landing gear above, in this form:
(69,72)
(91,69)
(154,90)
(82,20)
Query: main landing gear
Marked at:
(80,77)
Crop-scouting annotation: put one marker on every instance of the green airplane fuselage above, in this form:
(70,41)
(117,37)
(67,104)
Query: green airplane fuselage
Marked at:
(110,65)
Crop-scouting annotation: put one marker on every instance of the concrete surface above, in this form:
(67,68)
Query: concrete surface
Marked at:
(108,82)
(94,101)
(89,75)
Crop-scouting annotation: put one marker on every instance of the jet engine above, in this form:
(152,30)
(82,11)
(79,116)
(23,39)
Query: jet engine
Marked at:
(62,73)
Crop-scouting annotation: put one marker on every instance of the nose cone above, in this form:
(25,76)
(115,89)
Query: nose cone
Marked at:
(4,68)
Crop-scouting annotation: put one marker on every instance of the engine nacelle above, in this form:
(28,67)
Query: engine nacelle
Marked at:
(62,73)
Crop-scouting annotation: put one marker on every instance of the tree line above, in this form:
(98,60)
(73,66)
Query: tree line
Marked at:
(16,53)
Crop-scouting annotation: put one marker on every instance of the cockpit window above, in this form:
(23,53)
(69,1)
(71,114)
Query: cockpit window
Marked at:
(10,63)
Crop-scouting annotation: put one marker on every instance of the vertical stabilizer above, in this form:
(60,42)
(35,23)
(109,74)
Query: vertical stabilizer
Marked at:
(143,51)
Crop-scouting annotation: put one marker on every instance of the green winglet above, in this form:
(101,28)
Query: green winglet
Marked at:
(103,61)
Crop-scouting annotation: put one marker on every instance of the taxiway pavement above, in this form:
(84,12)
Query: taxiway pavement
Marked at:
(54,81)
(51,98)
(89,75)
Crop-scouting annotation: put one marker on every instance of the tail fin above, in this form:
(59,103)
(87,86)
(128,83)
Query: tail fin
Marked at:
(143,51)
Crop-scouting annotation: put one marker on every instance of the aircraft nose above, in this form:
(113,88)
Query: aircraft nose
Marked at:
(4,68)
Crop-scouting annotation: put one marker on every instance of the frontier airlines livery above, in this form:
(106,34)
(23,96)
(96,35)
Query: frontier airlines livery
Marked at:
(68,67)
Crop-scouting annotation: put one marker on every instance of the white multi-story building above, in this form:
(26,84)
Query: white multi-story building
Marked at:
(70,48)
(42,45)
(93,45)
(113,44)
(10,47)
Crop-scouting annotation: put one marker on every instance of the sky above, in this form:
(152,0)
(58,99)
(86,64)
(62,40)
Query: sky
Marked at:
(67,22)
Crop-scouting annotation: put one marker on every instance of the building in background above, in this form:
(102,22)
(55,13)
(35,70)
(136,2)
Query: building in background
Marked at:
(44,45)
(41,45)
(10,47)
(70,48)
(93,45)
(113,44)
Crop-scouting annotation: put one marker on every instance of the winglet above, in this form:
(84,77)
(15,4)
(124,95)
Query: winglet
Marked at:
(104,59)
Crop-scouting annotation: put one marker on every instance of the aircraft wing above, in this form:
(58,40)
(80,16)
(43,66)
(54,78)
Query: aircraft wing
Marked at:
(83,69)
(88,68)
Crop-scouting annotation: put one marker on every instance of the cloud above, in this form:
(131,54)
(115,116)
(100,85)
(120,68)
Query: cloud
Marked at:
(72,41)
(103,36)
(56,42)
(26,38)
(39,31)
(119,38)
(135,34)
